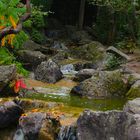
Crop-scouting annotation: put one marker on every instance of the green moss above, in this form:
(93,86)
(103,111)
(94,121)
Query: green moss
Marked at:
(113,62)
(133,92)
(91,52)
(115,85)
(37,36)
(7,58)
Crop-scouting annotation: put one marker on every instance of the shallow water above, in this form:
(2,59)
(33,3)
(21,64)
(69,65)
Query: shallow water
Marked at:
(83,103)
(67,106)
(60,92)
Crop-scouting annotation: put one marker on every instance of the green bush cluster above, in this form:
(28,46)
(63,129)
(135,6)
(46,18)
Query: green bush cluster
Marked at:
(113,62)
(7,58)
(128,44)
(36,24)
(19,39)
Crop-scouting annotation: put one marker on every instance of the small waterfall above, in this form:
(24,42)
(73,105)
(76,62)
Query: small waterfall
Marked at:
(67,133)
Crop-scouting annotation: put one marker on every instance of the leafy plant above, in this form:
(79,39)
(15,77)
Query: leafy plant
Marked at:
(36,24)
(11,15)
(20,39)
(6,58)
(127,44)
(37,36)
(113,62)
(10,8)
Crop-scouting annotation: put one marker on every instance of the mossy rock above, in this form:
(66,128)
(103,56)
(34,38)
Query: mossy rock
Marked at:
(102,84)
(134,90)
(93,51)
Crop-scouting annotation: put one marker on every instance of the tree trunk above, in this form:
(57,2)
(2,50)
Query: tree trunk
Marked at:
(81,14)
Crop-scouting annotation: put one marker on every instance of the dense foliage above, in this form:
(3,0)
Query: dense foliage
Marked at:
(9,14)
(36,24)
(116,20)
(10,11)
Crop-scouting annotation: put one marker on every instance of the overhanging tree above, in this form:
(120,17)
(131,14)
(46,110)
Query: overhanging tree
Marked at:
(12,16)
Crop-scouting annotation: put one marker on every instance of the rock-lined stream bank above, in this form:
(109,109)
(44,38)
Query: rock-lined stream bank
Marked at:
(72,80)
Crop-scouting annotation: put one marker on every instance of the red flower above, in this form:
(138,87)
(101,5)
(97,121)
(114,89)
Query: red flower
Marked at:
(18,85)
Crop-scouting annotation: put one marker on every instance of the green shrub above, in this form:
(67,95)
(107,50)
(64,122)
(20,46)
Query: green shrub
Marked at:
(27,24)
(38,18)
(36,24)
(6,58)
(113,62)
(129,45)
(38,37)
(20,69)
(19,39)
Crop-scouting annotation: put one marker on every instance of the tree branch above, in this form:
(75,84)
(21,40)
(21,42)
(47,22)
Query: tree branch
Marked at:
(23,18)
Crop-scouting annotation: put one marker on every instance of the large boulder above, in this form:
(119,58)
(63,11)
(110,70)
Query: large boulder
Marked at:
(102,84)
(133,106)
(84,74)
(134,91)
(93,51)
(48,71)
(7,74)
(31,59)
(84,65)
(60,56)
(80,37)
(37,126)
(31,45)
(10,113)
(118,53)
(110,125)
(58,46)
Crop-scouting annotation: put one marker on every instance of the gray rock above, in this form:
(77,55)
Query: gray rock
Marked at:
(110,125)
(134,129)
(60,56)
(132,77)
(10,113)
(84,65)
(55,34)
(31,59)
(7,74)
(84,74)
(102,84)
(80,37)
(133,106)
(39,126)
(48,71)
(58,46)
(117,52)
(31,124)
(30,45)
(94,52)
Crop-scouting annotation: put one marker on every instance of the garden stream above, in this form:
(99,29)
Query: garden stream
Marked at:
(56,99)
